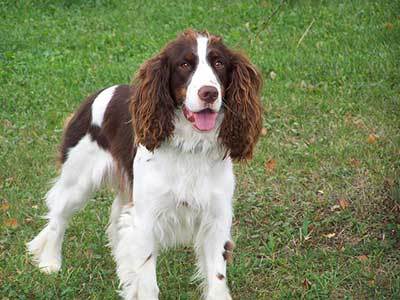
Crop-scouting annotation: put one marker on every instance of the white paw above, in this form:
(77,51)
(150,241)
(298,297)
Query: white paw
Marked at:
(219,293)
(50,266)
(44,251)
(134,293)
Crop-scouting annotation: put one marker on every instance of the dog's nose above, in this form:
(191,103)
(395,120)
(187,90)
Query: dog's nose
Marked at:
(208,93)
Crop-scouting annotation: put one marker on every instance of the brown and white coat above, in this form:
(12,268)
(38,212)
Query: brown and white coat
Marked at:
(166,143)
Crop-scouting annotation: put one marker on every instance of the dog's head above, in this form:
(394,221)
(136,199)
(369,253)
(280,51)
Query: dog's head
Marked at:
(198,74)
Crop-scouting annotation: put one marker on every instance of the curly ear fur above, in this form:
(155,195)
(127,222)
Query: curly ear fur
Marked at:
(152,105)
(242,123)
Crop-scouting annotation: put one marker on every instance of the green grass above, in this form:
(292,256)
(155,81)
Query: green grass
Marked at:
(332,116)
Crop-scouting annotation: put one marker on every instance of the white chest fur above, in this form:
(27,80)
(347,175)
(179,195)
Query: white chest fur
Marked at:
(181,192)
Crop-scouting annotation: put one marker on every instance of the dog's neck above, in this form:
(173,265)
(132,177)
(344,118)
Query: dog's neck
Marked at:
(188,139)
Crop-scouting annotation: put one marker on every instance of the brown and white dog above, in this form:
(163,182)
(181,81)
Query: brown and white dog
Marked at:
(166,143)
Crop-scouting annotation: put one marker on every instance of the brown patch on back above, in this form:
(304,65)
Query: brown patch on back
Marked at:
(115,134)
(220,276)
(76,127)
(117,129)
(97,135)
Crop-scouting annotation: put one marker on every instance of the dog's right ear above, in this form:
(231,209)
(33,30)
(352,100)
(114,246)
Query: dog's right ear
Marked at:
(152,105)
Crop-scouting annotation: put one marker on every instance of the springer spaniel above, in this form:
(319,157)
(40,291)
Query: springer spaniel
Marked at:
(166,143)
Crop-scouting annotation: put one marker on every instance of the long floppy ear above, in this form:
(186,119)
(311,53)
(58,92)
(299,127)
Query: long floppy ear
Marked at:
(152,105)
(242,123)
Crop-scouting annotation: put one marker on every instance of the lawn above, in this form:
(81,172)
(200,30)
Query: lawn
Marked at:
(317,211)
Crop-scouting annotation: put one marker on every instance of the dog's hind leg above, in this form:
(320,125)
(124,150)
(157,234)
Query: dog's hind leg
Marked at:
(121,200)
(85,169)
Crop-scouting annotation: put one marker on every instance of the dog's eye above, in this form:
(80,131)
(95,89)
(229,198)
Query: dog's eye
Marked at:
(218,64)
(185,66)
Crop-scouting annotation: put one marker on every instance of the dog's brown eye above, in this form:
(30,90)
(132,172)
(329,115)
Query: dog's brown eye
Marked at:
(218,64)
(185,66)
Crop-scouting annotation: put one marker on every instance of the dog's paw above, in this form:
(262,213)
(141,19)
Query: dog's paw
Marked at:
(44,252)
(50,266)
(220,292)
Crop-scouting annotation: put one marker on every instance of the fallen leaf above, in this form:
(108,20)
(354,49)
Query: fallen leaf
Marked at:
(272,75)
(4,206)
(270,165)
(362,257)
(372,138)
(330,235)
(371,283)
(12,223)
(355,162)
(343,203)
(359,123)
(264,131)
(7,123)
(389,26)
(306,283)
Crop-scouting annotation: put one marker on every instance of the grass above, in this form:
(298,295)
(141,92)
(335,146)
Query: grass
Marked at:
(317,210)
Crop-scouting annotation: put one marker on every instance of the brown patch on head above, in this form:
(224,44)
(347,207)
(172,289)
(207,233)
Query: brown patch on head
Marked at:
(189,33)
(181,94)
(214,39)
(159,89)
(220,276)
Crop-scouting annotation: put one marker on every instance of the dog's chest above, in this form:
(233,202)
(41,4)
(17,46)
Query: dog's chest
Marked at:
(185,177)
(182,190)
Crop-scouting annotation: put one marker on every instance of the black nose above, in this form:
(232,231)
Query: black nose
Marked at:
(208,93)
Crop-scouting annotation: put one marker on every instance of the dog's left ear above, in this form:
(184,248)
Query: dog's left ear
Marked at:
(242,123)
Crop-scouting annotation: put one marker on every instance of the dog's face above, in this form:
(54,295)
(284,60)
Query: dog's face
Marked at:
(198,74)
(199,69)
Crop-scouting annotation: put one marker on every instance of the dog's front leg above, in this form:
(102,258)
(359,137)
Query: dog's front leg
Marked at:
(212,259)
(136,256)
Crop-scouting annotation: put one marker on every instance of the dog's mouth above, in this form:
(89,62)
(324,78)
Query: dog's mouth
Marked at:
(203,120)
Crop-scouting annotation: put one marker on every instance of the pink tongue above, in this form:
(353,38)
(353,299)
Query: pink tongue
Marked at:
(205,120)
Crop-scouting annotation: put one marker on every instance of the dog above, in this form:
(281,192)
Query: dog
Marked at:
(166,143)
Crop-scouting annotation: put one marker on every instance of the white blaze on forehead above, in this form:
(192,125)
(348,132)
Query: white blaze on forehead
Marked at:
(203,75)
(100,104)
(202,43)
